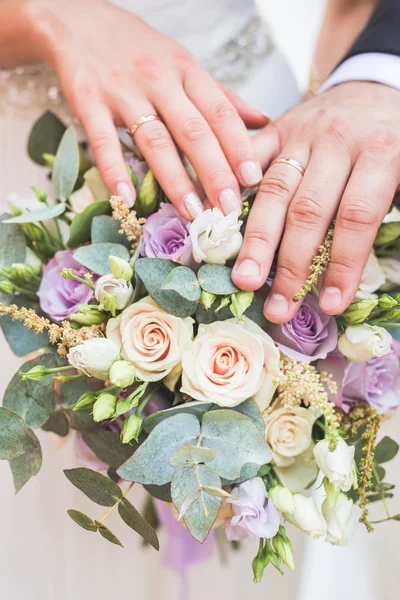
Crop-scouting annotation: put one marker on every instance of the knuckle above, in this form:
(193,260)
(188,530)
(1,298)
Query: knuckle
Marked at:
(337,132)
(356,214)
(381,141)
(342,265)
(275,186)
(306,210)
(288,271)
(222,111)
(156,138)
(146,67)
(258,237)
(100,141)
(219,178)
(194,129)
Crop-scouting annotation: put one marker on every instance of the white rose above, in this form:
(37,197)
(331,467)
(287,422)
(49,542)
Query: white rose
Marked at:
(338,465)
(341,516)
(152,340)
(119,289)
(360,343)
(372,279)
(393,216)
(216,238)
(288,433)
(307,517)
(391,271)
(230,362)
(94,357)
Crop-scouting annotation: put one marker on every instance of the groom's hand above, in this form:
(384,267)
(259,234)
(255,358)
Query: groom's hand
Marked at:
(348,142)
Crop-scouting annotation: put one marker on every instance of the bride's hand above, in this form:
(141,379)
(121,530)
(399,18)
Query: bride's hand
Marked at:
(114,69)
(348,141)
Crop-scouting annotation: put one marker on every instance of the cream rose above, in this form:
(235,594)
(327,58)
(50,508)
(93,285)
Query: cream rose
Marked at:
(152,340)
(288,433)
(391,270)
(230,362)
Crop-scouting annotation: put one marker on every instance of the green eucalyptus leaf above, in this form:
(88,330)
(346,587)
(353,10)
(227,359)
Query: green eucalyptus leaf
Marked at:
(183,281)
(206,316)
(191,455)
(106,229)
(42,214)
(45,137)
(96,256)
(195,408)
(202,510)
(15,438)
(82,520)
(161,492)
(378,497)
(108,448)
(250,409)
(153,272)
(386,450)
(66,165)
(107,534)
(135,521)
(58,423)
(97,487)
(236,442)
(216,279)
(34,401)
(377,475)
(26,465)
(21,340)
(80,227)
(150,462)
(12,243)
(71,391)
(248,472)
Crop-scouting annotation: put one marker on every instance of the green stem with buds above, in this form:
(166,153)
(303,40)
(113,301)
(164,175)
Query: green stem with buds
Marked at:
(69,275)
(144,402)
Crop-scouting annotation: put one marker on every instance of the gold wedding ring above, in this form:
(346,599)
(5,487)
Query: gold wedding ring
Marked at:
(291,162)
(141,122)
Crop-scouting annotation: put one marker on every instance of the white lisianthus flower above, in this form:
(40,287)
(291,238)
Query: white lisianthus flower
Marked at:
(94,189)
(307,517)
(230,362)
(391,271)
(341,516)
(119,289)
(81,199)
(216,238)
(372,279)
(283,499)
(94,357)
(337,465)
(360,343)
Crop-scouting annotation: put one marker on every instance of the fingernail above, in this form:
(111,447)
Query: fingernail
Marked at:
(248,268)
(250,172)
(331,298)
(276,304)
(229,201)
(125,191)
(193,204)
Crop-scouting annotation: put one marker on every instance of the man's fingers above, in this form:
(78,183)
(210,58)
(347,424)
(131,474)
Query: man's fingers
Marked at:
(267,145)
(366,200)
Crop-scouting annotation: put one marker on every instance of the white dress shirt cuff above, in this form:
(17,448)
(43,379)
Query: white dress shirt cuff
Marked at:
(371,66)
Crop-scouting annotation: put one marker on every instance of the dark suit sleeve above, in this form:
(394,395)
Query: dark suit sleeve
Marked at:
(382,33)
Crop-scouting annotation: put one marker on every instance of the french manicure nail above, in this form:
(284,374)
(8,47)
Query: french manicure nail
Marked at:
(193,204)
(250,172)
(248,268)
(125,191)
(229,201)
(276,304)
(331,298)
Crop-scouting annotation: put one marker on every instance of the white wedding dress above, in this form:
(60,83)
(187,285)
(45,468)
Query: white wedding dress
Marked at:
(43,555)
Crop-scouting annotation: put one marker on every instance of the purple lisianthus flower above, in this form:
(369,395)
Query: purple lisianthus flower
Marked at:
(166,235)
(309,336)
(60,297)
(254,513)
(376,381)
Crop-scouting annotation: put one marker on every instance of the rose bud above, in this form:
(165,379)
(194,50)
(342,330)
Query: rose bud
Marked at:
(122,374)
(104,407)
(120,268)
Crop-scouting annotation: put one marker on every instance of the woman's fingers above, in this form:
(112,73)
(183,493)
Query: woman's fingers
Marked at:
(104,141)
(365,202)
(252,117)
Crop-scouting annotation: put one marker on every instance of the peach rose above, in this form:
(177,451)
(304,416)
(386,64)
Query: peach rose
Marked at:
(152,340)
(230,362)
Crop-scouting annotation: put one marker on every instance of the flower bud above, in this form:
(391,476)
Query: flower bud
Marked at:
(113,293)
(33,261)
(85,401)
(122,373)
(272,557)
(387,234)
(120,268)
(6,287)
(131,428)
(35,374)
(207,299)
(340,514)
(240,302)
(88,317)
(94,357)
(357,312)
(283,499)
(41,196)
(259,563)
(33,232)
(23,272)
(147,201)
(284,550)
(386,302)
(104,407)
(360,343)
(49,159)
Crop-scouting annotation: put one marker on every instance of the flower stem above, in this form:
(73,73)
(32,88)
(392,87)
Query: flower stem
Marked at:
(145,400)
(68,274)
(128,489)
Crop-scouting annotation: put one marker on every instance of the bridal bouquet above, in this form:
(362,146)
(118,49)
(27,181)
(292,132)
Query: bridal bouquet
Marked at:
(169,376)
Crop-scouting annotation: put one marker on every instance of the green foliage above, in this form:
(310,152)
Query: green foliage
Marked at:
(27,464)
(191,455)
(41,214)
(135,521)
(107,534)
(15,437)
(45,137)
(153,272)
(96,256)
(108,447)
(12,243)
(66,166)
(161,492)
(195,408)
(216,279)
(97,487)
(106,229)
(81,224)
(58,423)
(386,450)
(22,340)
(34,401)
(82,520)
(250,409)
(183,281)
(148,198)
